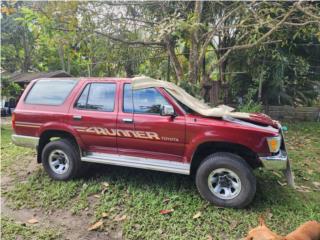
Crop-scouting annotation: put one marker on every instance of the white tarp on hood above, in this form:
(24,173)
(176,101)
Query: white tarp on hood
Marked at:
(185,98)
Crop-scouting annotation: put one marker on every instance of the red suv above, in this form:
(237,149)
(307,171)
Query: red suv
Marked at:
(156,126)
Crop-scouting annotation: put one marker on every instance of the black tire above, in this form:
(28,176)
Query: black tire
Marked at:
(223,160)
(67,147)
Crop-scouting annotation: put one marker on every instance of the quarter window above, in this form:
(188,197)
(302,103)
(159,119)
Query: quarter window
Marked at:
(97,96)
(145,101)
(50,92)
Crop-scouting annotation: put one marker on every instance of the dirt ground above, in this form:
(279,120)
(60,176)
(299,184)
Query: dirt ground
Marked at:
(70,226)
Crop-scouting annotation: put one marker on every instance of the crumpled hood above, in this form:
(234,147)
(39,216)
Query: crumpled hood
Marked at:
(263,119)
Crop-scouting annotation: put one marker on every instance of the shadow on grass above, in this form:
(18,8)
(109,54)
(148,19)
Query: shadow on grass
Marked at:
(269,192)
(139,177)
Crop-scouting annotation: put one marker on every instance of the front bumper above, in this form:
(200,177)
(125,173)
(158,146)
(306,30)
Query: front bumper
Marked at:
(277,162)
(280,161)
(25,141)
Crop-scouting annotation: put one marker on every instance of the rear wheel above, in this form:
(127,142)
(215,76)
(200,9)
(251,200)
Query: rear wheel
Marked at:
(61,160)
(226,180)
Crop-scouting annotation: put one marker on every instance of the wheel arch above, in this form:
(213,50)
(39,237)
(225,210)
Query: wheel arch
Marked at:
(51,135)
(205,149)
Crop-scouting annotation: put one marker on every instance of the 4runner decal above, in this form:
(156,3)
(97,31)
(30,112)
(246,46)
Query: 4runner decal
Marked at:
(125,133)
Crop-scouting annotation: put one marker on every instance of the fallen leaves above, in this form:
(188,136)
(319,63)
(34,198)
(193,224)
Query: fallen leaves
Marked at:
(166,200)
(281,183)
(197,215)
(32,221)
(95,226)
(166,211)
(276,174)
(234,224)
(105,187)
(316,184)
(104,215)
(120,218)
(303,188)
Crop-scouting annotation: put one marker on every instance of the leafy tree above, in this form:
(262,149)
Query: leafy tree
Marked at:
(9,89)
(209,48)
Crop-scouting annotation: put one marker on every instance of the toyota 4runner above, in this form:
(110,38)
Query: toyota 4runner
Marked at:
(148,124)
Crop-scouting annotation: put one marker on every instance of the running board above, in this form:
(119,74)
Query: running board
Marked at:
(137,162)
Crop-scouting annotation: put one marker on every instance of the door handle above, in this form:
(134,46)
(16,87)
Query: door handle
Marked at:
(77,117)
(127,120)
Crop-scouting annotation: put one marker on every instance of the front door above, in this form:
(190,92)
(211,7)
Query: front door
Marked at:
(149,134)
(94,116)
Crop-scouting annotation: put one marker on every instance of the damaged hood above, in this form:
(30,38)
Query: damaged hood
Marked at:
(262,119)
(198,106)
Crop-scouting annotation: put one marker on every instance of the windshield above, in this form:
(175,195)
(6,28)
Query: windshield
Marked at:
(188,102)
(183,106)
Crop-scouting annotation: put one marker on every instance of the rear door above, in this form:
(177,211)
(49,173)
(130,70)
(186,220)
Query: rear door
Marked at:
(151,135)
(94,115)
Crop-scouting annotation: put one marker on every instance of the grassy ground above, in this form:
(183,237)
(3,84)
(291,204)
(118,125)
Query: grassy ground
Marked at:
(11,229)
(130,199)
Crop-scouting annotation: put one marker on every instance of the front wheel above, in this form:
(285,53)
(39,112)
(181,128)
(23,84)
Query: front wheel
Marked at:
(226,180)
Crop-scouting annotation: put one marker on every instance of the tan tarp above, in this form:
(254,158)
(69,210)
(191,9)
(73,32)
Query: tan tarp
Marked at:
(191,102)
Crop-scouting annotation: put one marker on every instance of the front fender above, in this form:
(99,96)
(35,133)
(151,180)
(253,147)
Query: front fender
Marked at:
(249,138)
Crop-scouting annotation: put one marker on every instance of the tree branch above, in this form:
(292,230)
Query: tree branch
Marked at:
(136,42)
(301,24)
(260,40)
(118,39)
(211,34)
(298,6)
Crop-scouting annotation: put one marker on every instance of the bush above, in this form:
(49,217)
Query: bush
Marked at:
(9,89)
(251,106)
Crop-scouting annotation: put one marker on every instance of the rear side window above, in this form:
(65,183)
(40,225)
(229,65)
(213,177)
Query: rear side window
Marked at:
(97,96)
(50,92)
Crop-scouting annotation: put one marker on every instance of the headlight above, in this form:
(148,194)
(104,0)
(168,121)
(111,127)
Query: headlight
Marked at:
(274,143)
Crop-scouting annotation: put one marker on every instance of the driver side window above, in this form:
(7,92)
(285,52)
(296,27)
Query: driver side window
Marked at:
(145,101)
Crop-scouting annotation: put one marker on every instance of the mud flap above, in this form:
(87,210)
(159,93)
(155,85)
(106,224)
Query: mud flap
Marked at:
(289,175)
(288,172)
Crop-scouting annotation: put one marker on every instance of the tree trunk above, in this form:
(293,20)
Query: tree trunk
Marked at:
(194,49)
(214,93)
(173,59)
(260,88)
(129,69)
(260,83)
(27,58)
(68,63)
(223,82)
(61,56)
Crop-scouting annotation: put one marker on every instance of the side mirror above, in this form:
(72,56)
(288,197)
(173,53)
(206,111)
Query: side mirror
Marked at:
(167,110)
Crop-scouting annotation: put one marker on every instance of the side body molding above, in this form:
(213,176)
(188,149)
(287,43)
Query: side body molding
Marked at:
(137,162)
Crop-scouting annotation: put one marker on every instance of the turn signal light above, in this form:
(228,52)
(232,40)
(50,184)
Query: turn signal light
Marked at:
(274,143)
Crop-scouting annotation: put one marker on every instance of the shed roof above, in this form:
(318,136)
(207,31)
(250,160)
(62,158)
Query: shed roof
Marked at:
(29,76)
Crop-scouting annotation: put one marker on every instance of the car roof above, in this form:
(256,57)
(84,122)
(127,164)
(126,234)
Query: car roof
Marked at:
(80,79)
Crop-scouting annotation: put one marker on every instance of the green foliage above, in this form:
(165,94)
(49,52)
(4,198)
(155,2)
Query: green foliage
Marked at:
(249,105)
(9,89)
(192,89)
(75,37)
